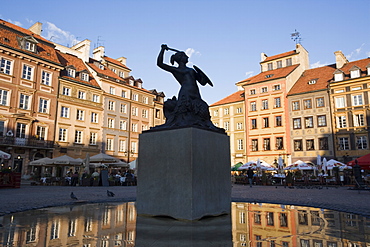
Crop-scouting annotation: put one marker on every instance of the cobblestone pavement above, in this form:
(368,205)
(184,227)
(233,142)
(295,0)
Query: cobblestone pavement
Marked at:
(32,197)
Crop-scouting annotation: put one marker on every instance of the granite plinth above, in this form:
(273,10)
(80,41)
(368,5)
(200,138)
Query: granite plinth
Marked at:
(183,173)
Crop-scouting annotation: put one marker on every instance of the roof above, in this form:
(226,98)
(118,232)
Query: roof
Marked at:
(68,60)
(362,64)
(235,97)
(276,74)
(321,75)
(114,61)
(285,54)
(10,33)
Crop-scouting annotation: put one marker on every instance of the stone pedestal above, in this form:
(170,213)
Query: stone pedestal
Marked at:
(183,173)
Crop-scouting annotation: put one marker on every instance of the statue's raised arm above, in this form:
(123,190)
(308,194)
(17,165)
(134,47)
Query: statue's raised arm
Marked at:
(188,110)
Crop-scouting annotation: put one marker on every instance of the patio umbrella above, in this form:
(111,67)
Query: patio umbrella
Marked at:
(324,166)
(333,163)
(247,165)
(103,158)
(87,163)
(66,160)
(4,155)
(41,162)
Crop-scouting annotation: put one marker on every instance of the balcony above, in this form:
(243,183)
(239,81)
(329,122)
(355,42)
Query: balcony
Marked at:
(31,142)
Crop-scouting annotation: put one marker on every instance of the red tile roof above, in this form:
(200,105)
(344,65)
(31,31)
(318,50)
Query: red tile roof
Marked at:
(67,60)
(322,75)
(235,97)
(276,73)
(285,54)
(9,34)
(362,64)
(114,61)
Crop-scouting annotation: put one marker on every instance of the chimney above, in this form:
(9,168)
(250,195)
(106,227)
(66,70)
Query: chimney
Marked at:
(122,60)
(84,48)
(98,53)
(263,56)
(36,28)
(340,59)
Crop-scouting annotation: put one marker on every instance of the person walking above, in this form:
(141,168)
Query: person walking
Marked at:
(250,175)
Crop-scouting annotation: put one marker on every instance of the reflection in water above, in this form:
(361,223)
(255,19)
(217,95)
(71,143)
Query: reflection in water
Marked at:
(250,224)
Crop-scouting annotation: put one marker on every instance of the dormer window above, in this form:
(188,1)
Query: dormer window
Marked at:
(338,75)
(288,62)
(269,76)
(269,66)
(28,43)
(114,70)
(71,72)
(101,66)
(121,74)
(131,82)
(30,46)
(355,72)
(84,76)
(279,64)
(313,81)
(368,69)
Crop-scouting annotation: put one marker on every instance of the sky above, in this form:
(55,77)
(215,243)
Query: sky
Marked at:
(222,37)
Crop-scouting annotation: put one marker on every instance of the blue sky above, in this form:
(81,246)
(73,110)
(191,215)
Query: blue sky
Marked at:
(223,37)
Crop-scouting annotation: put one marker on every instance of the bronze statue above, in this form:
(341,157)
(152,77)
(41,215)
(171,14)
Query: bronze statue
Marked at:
(188,110)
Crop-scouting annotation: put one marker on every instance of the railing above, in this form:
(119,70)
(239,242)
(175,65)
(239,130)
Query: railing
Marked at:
(30,142)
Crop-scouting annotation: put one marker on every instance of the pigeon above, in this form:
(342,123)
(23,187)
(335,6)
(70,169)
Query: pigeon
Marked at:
(73,196)
(110,193)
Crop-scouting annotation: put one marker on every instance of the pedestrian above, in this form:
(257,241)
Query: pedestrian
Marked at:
(250,175)
(74,179)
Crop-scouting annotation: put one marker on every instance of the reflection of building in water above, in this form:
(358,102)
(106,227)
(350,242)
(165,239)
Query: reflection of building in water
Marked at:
(86,225)
(264,224)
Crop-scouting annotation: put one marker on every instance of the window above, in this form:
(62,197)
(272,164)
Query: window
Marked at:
(30,46)
(279,143)
(78,136)
(310,145)
(93,138)
(343,143)
(239,126)
(265,122)
(257,218)
(123,108)
(3,97)
(321,121)
(355,73)
(308,122)
(279,64)
(46,78)
(21,130)
(5,66)
(81,95)
(134,127)
(307,104)
(135,97)
(94,117)
(266,144)
(80,115)
(278,121)
(270,218)
(239,110)
(356,88)
(252,92)
(215,113)
(66,91)
(320,102)
(341,122)
(277,87)
(254,123)
(71,72)
(134,111)
(253,106)
(269,66)
(277,102)
(111,105)
(109,145)
(95,98)
(283,220)
(122,145)
(110,123)
(145,100)
(361,142)
(133,147)
(124,94)
(313,81)
(62,135)
(264,90)
(295,105)
(340,102)
(64,112)
(84,76)
(144,113)
(254,144)
(24,101)
(27,72)
(121,74)
(296,123)
(338,76)
(357,100)
(303,217)
(43,105)
(323,143)
(226,125)
(122,125)
(240,144)
(226,111)
(297,145)
(288,62)
(265,104)
(358,120)
(112,90)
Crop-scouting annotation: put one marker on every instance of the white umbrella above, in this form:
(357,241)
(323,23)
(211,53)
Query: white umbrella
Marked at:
(41,162)
(324,165)
(4,155)
(66,160)
(103,158)
(333,163)
(318,161)
(247,165)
